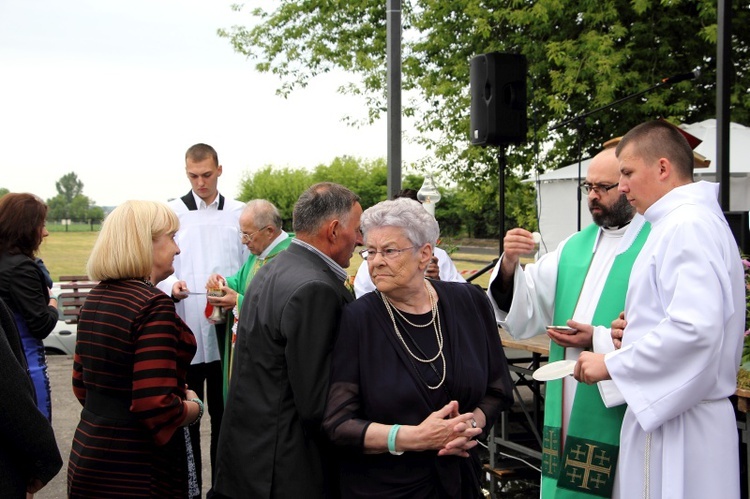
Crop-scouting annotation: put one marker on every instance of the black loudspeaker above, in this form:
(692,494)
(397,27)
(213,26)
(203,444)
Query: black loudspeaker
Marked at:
(738,223)
(498,99)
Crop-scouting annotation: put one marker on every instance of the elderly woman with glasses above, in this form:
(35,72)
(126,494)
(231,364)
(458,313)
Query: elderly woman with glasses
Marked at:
(418,370)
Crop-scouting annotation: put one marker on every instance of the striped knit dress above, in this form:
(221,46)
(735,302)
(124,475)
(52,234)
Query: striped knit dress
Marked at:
(132,353)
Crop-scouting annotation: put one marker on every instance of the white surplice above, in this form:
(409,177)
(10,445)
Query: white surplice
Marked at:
(533,305)
(209,242)
(685,309)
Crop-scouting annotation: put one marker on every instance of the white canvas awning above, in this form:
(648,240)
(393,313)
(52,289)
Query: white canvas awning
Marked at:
(557,189)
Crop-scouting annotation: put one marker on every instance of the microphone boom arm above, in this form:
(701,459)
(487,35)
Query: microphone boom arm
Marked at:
(607,106)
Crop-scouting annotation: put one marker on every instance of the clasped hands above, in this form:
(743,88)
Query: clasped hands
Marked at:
(448,431)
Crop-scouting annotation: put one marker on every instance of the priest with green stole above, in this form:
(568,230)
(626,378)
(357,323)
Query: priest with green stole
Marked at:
(260,231)
(581,285)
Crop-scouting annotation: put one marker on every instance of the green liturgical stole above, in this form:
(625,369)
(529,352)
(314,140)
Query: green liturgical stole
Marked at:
(585,467)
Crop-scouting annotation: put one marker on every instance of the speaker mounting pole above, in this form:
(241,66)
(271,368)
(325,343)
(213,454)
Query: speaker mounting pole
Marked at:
(501,164)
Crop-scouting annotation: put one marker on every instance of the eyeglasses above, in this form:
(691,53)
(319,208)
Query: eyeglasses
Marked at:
(598,189)
(388,253)
(246,238)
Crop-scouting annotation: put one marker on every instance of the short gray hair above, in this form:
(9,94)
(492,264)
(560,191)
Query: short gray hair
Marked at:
(320,203)
(264,213)
(419,226)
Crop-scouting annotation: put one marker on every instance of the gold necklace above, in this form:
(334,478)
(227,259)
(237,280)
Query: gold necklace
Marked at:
(435,321)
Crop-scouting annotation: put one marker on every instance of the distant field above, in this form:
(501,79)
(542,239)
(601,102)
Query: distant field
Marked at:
(65,253)
(53,227)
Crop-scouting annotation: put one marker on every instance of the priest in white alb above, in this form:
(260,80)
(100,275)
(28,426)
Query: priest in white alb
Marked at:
(582,283)
(685,317)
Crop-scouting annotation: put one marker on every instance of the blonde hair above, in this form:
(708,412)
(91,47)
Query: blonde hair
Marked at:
(124,248)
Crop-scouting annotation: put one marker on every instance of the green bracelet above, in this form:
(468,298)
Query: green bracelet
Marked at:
(392,440)
(200,410)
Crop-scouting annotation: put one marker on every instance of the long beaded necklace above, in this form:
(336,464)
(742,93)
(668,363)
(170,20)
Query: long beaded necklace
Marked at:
(433,309)
(435,321)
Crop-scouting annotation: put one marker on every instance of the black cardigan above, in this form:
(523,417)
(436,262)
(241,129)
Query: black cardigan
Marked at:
(23,287)
(27,444)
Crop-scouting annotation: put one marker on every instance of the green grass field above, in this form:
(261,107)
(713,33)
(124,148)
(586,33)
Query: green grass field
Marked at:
(65,253)
(53,227)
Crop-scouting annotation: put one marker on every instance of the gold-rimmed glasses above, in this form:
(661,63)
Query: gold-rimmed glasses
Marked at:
(246,238)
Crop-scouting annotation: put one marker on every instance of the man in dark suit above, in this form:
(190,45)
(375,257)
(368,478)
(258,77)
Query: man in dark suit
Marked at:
(271,443)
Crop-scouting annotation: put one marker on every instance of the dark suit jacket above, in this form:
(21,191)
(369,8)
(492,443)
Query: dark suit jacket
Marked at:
(271,442)
(27,443)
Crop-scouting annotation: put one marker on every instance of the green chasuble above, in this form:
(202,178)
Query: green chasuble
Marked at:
(586,466)
(239,282)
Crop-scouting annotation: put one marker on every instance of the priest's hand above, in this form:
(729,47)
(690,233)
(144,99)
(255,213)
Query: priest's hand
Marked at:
(591,368)
(229,300)
(516,242)
(215,281)
(579,337)
(618,329)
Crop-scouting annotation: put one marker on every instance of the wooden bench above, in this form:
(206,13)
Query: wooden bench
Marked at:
(74,290)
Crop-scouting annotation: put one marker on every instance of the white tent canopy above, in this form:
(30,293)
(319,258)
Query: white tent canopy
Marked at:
(557,189)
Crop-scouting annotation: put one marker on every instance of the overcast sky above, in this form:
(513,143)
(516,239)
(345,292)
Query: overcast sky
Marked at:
(117,90)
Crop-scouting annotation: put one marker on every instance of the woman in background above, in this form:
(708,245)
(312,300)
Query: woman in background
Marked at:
(131,358)
(23,285)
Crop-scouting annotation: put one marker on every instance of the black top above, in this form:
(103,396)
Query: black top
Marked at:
(23,288)
(27,443)
(373,379)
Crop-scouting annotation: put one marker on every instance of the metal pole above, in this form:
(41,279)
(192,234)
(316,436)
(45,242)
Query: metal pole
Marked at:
(501,163)
(393,49)
(723,65)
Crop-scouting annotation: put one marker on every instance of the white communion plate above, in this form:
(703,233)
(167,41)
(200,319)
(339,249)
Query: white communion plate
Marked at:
(555,370)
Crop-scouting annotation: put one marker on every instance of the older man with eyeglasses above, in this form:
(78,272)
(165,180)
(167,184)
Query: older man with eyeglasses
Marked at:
(581,285)
(261,232)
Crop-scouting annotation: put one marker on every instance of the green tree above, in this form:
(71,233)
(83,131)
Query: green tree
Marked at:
(69,186)
(281,186)
(70,203)
(581,55)
(366,178)
(3,191)
(95,214)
